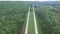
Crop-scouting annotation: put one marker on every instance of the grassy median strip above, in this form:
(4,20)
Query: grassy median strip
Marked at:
(31,29)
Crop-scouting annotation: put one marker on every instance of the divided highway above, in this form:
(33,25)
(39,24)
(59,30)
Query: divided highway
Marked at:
(31,25)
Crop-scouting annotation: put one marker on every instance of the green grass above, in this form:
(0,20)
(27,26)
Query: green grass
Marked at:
(31,24)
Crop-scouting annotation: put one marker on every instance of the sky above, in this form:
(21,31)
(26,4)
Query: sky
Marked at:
(29,0)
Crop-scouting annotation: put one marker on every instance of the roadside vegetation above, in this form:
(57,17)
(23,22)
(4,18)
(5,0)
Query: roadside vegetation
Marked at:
(48,19)
(13,17)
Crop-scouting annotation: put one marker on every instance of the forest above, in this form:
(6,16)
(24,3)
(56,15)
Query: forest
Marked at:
(48,17)
(13,17)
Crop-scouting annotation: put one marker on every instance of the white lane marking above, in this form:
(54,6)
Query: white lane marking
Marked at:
(26,29)
(35,24)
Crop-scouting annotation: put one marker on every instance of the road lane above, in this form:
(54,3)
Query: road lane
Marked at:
(26,29)
(35,24)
